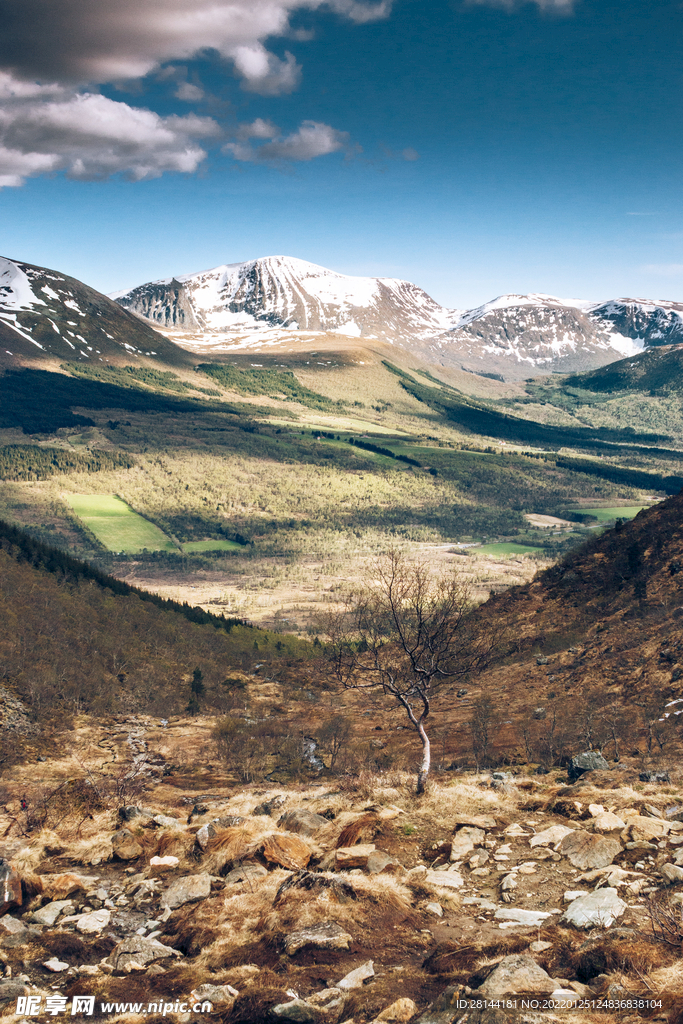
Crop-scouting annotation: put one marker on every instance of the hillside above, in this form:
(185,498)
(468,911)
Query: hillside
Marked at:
(657,371)
(47,315)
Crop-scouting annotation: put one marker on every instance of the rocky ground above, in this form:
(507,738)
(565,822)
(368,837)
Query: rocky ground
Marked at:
(497,898)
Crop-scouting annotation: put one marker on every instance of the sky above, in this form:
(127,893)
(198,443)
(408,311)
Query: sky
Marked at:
(475,147)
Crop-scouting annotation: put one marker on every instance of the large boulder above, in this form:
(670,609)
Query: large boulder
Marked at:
(48,914)
(326,935)
(607,821)
(189,889)
(587,851)
(589,761)
(517,975)
(641,828)
(302,821)
(551,836)
(93,923)
(353,856)
(287,851)
(600,909)
(137,950)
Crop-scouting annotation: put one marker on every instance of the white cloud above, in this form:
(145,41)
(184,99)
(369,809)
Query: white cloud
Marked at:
(310,140)
(49,128)
(552,6)
(664,269)
(188,92)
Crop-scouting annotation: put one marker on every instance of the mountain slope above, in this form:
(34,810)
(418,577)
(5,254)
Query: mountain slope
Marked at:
(46,314)
(265,300)
(657,369)
(284,292)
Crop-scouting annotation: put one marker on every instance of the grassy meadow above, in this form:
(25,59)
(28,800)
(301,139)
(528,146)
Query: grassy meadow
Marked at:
(117,526)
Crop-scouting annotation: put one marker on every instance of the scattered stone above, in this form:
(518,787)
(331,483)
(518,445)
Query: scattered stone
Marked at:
(326,935)
(462,844)
(353,856)
(399,1012)
(434,908)
(93,924)
(639,827)
(288,851)
(483,821)
(508,883)
(607,821)
(574,894)
(595,809)
(268,806)
(125,845)
(671,873)
(11,926)
(674,813)
(48,914)
(654,777)
(189,889)
(445,879)
(166,821)
(652,811)
(161,863)
(218,995)
(381,863)
(245,872)
(357,977)
(206,833)
(137,950)
(516,975)
(478,859)
(599,909)
(515,830)
(586,851)
(55,965)
(540,946)
(550,836)
(531,918)
(301,821)
(589,761)
(297,1010)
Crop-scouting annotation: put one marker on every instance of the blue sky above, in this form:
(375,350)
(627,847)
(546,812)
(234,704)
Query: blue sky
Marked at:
(475,148)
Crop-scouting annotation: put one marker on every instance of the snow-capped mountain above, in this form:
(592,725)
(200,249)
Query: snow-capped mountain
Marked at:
(281,292)
(278,297)
(47,314)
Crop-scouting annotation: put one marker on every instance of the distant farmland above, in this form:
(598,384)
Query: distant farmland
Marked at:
(117,526)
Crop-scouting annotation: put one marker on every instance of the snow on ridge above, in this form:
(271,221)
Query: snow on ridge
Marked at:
(15,287)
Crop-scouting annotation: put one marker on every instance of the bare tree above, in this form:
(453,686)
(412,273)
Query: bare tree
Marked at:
(405,634)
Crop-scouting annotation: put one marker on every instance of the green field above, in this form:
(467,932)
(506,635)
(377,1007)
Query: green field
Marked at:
(505,548)
(211,545)
(608,515)
(116,526)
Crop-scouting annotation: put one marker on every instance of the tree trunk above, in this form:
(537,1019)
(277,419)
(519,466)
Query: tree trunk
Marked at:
(426,759)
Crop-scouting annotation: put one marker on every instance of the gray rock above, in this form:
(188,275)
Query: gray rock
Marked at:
(55,966)
(326,935)
(297,1010)
(125,845)
(586,850)
(245,872)
(589,761)
(530,918)
(267,808)
(10,887)
(136,949)
(93,924)
(674,813)
(654,777)
(48,914)
(211,828)
(166,821)
(517,974)
(302,821)
(11,926)
(380,863)
(600,909)
(189,889)
(217,995)
(671,873)
(357,977)
(11,989)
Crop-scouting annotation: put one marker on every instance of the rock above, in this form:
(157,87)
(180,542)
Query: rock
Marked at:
(478,859)
(671,873)
(89,970)
(301,821)
(288,851)
(654,777)
(515,830)
(10,887)
(297,1010)
(540,946)
(586,851)
(328,999)
(508,883)
(125,845)
(218,995)
(55,965)
(531,918)
(93,924)
(334,889)
(445,879)
(599,909)
(639,827)
(11,989)
(574,894)
(550,836)
(48,914)
(674,813)
(651,811)
(606,821)
(353,856)
(399,1012)
(206,833)
(516,975)
(131,812)
(444,1008)
(595,809)
(267,807)
(326,935)
(245,872)
(381,863)
(137,950)
(483,821)
(463,843)
(164,863)
(166,821)
(357,977)
(434,908)
(589,761)
(11,926)
(189,889)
